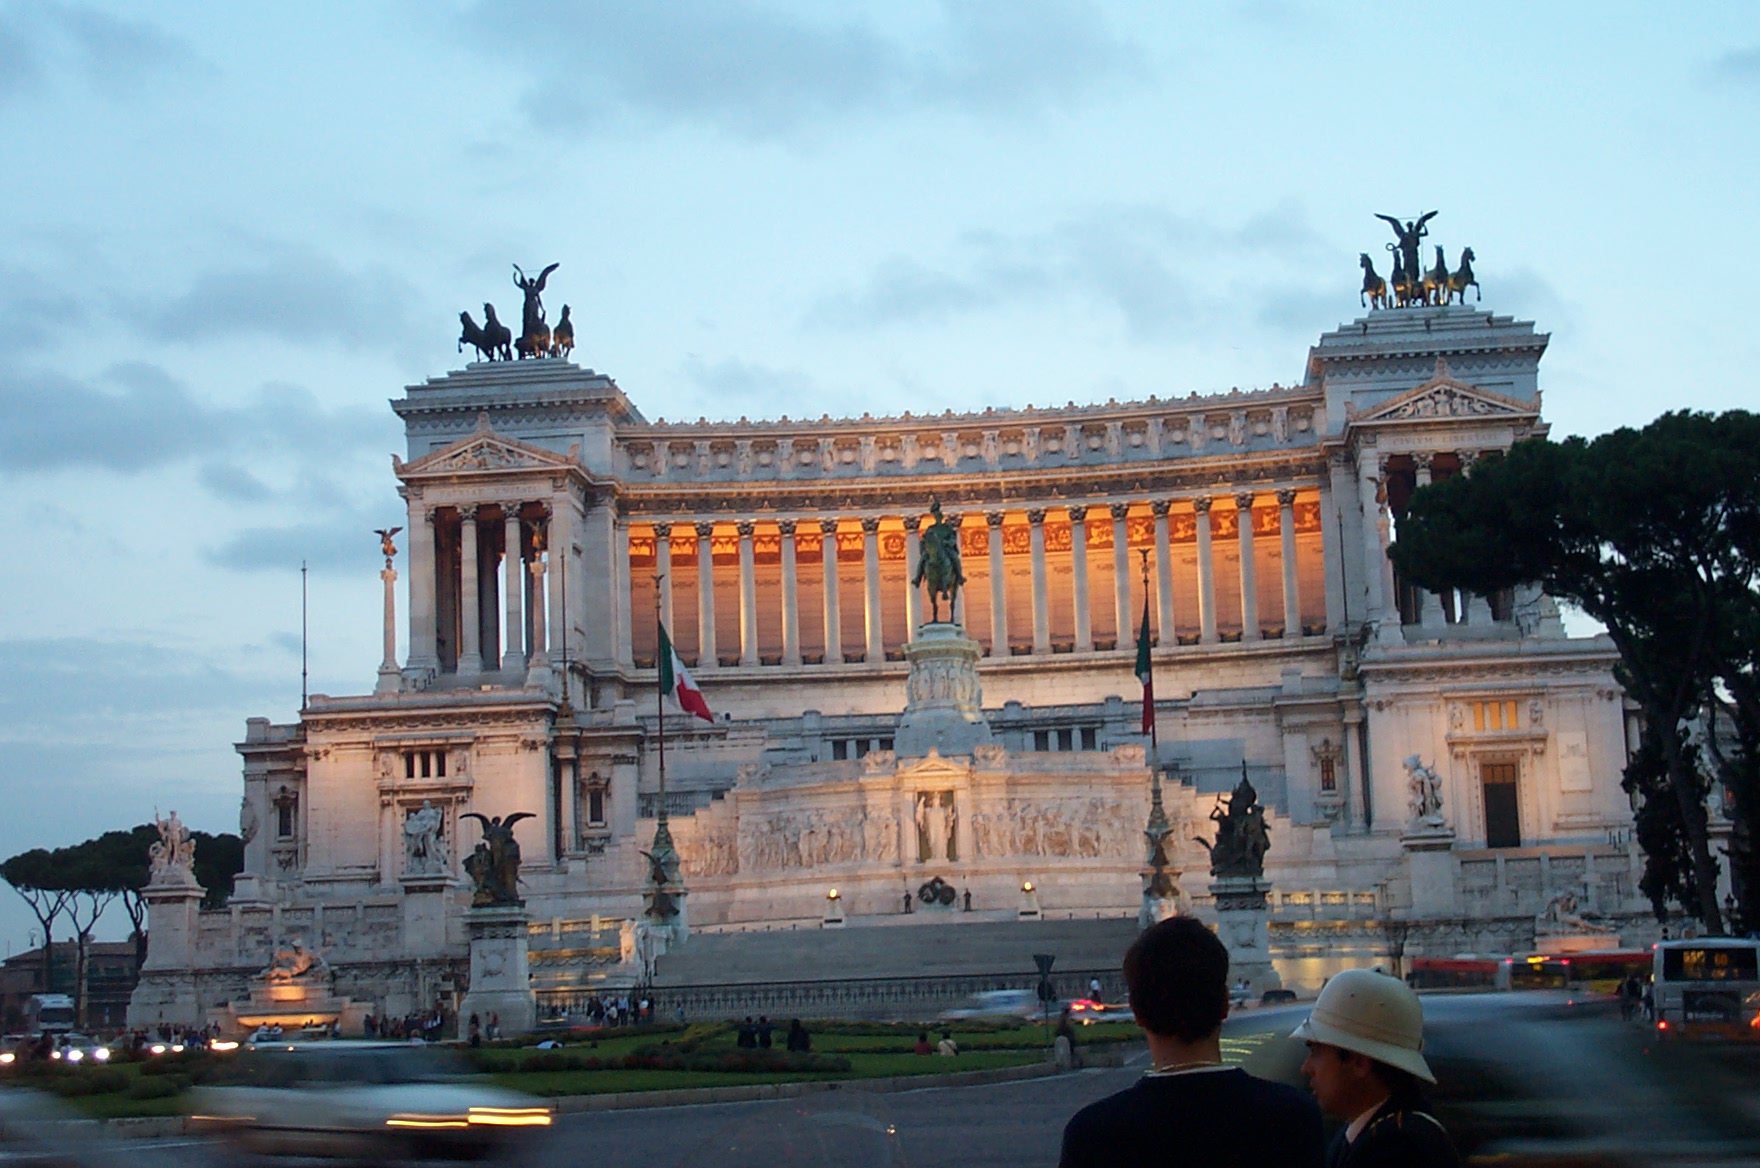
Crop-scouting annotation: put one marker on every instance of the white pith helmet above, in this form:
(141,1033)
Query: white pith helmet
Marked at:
(1375,1015)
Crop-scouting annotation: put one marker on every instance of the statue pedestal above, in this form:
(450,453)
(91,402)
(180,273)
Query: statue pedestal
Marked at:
(425,902)
(166,993)
(500,970)
(943,700)
(1433,870)
(1243,922)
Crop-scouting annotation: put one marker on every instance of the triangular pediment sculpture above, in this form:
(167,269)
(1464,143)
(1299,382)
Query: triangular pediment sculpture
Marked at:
(1442,397)
(482,450)
(932,766)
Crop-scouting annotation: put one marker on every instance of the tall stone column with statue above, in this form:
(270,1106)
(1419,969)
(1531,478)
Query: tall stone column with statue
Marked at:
(1238,884)
(166,992)
(944,702)
(499,930)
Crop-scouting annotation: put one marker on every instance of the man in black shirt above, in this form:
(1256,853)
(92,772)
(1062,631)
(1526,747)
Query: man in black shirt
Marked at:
(1189,1109)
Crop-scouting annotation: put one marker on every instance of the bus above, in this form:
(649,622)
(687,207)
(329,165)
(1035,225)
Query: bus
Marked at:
(1707,987)
(1590,972)
(1605,971)
(48,1014)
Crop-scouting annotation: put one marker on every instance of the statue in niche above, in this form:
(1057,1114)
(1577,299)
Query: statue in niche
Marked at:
(424,848)
(1242,835)
(938,562)
(935,826)
(494,866)
(1426,792)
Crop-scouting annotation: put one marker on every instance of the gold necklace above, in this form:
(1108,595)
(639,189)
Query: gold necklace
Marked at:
(1173,1068)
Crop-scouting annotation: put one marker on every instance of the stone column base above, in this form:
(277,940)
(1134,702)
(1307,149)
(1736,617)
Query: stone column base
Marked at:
(500,971)
(1243,922)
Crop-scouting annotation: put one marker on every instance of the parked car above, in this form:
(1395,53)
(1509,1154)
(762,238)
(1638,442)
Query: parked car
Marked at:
(374,1101)
(996,1004)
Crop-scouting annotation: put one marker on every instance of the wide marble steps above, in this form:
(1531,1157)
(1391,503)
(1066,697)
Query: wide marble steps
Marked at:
(934,947)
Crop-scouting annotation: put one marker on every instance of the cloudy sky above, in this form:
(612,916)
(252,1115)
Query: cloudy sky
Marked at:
(231,232)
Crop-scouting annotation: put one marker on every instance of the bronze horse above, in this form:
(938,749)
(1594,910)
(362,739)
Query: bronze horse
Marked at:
(1436,281)
(492,341)
(1374,287)
(562,337)
(1464,279)
(1405,284)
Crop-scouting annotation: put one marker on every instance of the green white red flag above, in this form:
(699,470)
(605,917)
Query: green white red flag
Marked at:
(676,680)
(1145,673)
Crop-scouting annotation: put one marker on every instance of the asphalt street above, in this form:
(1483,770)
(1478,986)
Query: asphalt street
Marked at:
(1525,1078)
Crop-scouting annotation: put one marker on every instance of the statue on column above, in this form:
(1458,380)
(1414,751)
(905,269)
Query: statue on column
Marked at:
(494,866)
(938,562)
(173,854)
(387,547)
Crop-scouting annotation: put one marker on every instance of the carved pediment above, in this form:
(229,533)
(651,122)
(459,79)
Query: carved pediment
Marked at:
(483,450)
(1444,397)
(932,768)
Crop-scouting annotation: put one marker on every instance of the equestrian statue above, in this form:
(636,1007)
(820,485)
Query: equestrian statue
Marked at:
(938,563)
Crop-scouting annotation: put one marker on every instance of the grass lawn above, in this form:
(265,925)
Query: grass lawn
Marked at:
(862,1066)
(117,1105)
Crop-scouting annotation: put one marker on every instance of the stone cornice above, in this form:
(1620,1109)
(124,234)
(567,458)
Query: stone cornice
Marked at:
(973,491)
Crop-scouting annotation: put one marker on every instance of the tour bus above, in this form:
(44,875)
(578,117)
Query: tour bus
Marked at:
(1709,986)
(48,1014)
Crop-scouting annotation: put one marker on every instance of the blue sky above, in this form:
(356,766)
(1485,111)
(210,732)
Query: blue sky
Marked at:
(230,233)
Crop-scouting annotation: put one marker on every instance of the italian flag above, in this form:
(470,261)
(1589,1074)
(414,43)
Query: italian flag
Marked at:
(1145,674)
(675,679)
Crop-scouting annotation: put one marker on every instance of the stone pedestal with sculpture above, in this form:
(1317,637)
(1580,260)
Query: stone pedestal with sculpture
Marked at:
(1239,887)
(1428,841)
(166,992)
(501,981)
(943,699)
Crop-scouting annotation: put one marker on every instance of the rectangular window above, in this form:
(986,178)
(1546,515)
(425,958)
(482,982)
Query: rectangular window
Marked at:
(1503,824)
(284,819)
(1066,740)
(886,744)
(596,807)
(440,763)
(409,764)
(1090,738)
(1328,775)
(839,749)
(861,748)
(1041,740)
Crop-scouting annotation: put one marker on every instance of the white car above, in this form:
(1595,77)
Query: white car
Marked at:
(997,1004)
(379,1101)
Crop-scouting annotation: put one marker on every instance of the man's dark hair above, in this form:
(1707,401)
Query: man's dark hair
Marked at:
(1403,1087)
(1177,972)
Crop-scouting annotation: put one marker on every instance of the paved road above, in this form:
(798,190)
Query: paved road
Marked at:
(1523,1075)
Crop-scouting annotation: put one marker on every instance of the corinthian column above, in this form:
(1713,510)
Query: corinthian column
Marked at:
(1206,573)
(423,659)
(791,601)
(470,596)
(1078,557)
(513,653)
(1430,614)
(998,588)
(833,609)
(390,678)
(1286,532)
(913,598)
(1041,611)
(1164,572)
(706,597)
(876,645)
(748,595)
(1243,503)
(1121,571)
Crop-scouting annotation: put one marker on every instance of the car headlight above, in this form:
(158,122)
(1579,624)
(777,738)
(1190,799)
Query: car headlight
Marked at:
(156,1048)
(7,1058)
(102,1054)
(75,1054)
(510,1116)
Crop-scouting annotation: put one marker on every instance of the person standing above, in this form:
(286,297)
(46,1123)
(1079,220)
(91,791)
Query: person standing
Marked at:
(765,1030)
(1365,1065)
(799,1041)
(1190,1109)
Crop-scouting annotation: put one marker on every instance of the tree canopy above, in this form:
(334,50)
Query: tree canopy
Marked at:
(1656,534)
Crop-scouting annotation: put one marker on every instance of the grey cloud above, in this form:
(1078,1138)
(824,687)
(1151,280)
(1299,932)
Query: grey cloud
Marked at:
(115,56)
(759,72)
(343,545)
(1162,274)
(1742,65)
(34,305)
(137,417)
(296,298)
(227,480)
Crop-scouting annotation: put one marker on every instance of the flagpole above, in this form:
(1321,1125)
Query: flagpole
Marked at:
(1159,888)
(660,698)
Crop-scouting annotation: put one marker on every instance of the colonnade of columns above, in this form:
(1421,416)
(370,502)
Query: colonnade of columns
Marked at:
(872,639)
(1377,531)
(525,592)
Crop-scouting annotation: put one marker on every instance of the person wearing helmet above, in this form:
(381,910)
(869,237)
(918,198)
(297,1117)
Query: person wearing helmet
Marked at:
(1365,1065)
(1190,1109)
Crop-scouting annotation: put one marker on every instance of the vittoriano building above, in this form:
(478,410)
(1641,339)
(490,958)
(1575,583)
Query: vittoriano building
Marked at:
(1435,769)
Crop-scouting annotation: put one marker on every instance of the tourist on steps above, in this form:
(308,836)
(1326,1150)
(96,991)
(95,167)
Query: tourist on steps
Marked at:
(1190,1109)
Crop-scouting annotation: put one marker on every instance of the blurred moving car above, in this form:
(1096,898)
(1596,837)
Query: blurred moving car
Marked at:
(996,1004)
(1087,1011)
(379,1101)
